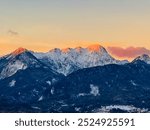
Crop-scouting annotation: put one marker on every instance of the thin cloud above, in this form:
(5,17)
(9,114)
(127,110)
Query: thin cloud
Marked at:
(130,52)
(12,33)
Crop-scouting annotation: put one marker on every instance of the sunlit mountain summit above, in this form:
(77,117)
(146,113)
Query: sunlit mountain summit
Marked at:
(68,60)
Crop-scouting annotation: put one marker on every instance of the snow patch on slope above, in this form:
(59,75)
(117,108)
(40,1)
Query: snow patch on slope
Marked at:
(49,83)
(127,108)
(12,68)
(133,83)
(12,83)
(94,90)
(41,98)
(52,90)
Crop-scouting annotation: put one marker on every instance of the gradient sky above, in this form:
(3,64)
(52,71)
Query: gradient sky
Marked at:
(44,24)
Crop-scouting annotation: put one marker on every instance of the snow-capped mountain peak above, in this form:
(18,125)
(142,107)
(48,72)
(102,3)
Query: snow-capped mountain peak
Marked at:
(63,61)
(68,60)
(79,49)
(55,50)
(23,55)
(66,50)
(96,48)
(20,59)
(19,51)
(144,58)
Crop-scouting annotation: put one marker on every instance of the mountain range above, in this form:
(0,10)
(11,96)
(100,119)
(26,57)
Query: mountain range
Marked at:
(73,80)
(68,60)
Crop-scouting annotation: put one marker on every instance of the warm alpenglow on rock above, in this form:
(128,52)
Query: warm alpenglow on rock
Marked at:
(19,51)
(73,80)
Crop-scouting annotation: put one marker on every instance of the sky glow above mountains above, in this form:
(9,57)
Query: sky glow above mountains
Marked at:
(42,25)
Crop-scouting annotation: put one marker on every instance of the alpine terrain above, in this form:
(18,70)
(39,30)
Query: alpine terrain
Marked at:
(73,80)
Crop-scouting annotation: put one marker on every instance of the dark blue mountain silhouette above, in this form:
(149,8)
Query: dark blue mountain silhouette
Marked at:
(112,85)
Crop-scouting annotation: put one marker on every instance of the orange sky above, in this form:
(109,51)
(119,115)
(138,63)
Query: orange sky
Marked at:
(42,25)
